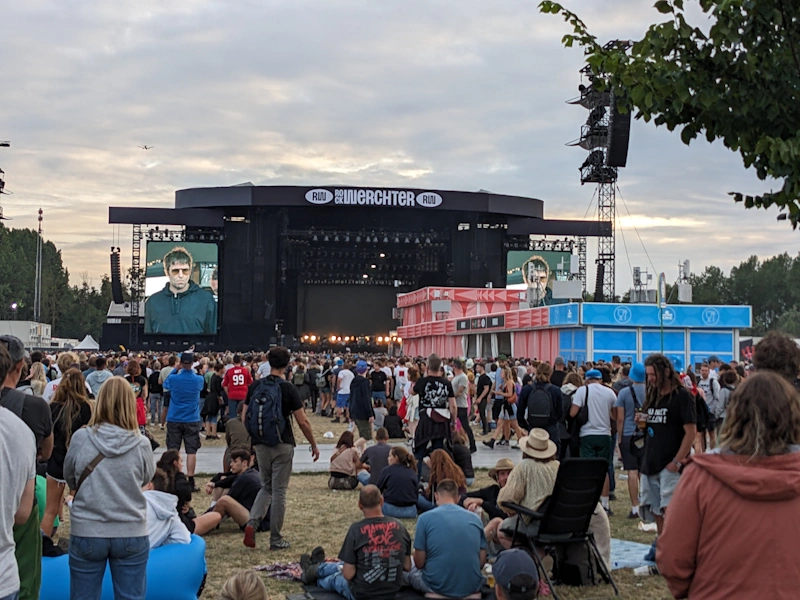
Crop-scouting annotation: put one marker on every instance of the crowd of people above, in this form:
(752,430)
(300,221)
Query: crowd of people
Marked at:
(79,428)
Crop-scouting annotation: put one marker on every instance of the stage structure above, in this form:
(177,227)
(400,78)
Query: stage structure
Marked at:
(285,264)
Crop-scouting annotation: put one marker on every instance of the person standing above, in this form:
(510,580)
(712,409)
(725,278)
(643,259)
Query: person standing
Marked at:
(183,416)
(595,434)
(437,410)
(166,371)
(236,383)
(483,387)
(710,386)
(270,404)
(628,403)
(361,409)
(106,467)
(541,404)
(343,380)
(460,385)
(98,377)
(670,417)
(18,474)
(557,378)
(732,529)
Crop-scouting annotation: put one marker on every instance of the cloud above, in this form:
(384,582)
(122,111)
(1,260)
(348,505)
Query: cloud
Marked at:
(449,95)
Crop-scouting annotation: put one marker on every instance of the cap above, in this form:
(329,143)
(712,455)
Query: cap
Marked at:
(15,347)
(515,571)
(714,358)
(361,367)
(339,362)
(594,374)
(637,372)
(187,358)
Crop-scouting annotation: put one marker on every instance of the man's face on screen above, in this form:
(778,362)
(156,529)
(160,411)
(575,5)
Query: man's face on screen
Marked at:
(178,274)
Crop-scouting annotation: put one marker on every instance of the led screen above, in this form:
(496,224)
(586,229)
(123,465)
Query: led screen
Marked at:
(181,288)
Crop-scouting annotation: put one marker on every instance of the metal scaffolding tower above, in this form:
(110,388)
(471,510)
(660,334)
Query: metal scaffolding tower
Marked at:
(37,290)
(137,284)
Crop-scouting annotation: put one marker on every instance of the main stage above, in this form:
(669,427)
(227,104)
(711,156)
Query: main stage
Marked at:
(329,261)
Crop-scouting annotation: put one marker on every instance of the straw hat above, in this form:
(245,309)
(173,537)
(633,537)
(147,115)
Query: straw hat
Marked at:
(504,464)
(537,444)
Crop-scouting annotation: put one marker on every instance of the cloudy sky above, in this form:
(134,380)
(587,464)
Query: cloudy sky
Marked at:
(457,94)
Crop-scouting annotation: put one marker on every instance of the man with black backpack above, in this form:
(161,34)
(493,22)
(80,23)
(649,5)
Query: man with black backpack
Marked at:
(631,444)
(541,403)
(271,401)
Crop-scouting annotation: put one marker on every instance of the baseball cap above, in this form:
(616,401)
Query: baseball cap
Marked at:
(15,347)
(594,374)
(339,362)
(637,372)
(187,358)
(515,571)
(714,358)
(361,367)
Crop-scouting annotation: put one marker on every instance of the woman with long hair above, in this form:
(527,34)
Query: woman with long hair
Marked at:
(38,379)
(441,466)
(70,409)
(569,442)
(325,390)
(462,456)
(139,386)
(344,464)
(412,402)
(398,483)
(739,504)
(106,466)
(701,411)
(178,485)
(214,401)
(507,420)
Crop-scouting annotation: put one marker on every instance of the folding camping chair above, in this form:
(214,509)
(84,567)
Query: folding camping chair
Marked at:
(566,514)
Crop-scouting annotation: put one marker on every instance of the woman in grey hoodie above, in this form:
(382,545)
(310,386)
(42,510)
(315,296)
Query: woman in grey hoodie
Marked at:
(108,518)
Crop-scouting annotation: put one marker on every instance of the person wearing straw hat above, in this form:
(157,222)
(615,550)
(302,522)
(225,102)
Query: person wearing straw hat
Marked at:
(529,484)
(486,498)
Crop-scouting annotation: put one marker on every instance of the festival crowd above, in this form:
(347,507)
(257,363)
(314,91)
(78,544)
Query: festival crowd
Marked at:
(711,456)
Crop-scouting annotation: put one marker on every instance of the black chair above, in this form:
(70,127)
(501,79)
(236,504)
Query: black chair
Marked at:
(565,515)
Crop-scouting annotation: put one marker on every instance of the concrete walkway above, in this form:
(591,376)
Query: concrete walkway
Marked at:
(209,460)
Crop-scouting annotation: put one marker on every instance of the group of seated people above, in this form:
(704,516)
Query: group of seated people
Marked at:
(454,527)
(396,473)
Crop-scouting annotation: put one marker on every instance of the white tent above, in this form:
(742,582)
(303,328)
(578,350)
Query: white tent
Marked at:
(88,343)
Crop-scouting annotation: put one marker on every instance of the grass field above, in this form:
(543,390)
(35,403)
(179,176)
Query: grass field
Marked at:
(318,516)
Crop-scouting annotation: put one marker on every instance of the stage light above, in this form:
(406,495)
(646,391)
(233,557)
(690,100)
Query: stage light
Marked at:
(399,340)
(305,337)
(396,240)
(385,239)
(416,240)
(372,266)
(380,339)
(382,255)
(315,239)
(347,238)
(326,238)
(313,338)
(347,338)
(407,240)
(358,239)
(336,238)
(365,276)
(427,240)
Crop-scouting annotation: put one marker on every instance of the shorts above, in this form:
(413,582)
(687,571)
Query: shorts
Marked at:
(656,490)
(342,400)
(213,419)
(508,411)
(629,461)
(188,433)
(364,429)
(711,424)
(597,446)
(497,406)
(165,399)
(379,396)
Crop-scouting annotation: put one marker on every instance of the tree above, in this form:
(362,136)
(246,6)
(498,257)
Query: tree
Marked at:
(740,83)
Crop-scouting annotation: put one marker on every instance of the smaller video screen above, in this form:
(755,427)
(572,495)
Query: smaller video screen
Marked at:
(181,288)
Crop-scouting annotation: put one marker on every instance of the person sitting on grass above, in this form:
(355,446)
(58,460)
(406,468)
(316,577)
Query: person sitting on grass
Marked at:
(164,525)
(375,553)
(245,585)
(462,456)
(344,463)
(449,548)
(486,498)
(515,576)
(374,459)
(441,468)
(398,483)
(236,436)
(394,424)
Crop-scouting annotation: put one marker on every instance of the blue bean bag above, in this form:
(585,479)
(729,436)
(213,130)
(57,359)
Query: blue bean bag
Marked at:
(174,572)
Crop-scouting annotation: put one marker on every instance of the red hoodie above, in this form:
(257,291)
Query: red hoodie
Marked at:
(732,529)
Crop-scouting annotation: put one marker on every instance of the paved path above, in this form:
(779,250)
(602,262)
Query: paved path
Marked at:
(209,460)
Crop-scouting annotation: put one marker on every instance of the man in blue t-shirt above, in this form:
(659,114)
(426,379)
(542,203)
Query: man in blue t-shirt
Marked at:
(446,536)
(183,416)
(630,400)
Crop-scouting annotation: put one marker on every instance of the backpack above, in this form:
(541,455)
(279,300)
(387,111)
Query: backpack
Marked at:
(540,405)
(265,421)
(583,413)
(299,378)
(322,380)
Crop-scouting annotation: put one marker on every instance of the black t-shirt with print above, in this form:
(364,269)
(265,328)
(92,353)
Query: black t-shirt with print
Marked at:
(484,381)
(377,547)
(434,392)
(664,433)
(378,379)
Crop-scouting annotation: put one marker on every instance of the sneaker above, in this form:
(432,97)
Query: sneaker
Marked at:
(318,555)
(309,570)
(609,512)
(250,536)
(336,420)
(281,544)
(489,444)
(632,515)
(161,427)
(612,497)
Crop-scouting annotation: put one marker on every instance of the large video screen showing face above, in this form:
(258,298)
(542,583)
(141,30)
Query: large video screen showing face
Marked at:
(536,269)
(181,288)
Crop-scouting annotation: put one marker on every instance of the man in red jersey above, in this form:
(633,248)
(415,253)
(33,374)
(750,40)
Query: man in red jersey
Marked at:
(237,381)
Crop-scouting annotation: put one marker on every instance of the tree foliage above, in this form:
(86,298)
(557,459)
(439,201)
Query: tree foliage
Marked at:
(72,310)
(739,82)
(771,287)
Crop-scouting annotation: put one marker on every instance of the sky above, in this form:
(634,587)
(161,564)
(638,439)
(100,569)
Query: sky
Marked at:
(450,94)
